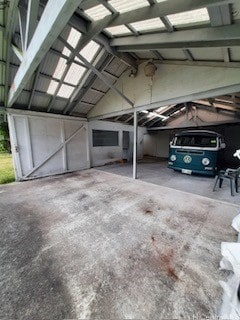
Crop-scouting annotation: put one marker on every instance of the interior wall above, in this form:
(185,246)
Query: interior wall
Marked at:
(102,155)
(170,84)
(157,144)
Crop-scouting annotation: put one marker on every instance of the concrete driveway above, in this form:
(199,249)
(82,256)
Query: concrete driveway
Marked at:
(94,245)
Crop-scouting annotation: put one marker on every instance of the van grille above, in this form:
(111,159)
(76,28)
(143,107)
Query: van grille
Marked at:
(190,152)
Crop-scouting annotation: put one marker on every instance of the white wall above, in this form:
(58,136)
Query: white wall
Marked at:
(44,144)
(103,155)
(170,84)
(157,144)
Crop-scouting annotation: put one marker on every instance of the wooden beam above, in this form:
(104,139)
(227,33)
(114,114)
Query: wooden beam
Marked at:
(163,9)
(225,36)
(31,23)
(99,74)
(55,16)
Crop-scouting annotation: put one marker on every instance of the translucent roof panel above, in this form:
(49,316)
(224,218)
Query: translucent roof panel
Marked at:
(89,51)
(150,24)
(60,68)
(73,38)
(118,30)
(52,87)
(97,12)
(189,17)
(65,91)
(74,74)
(126,5)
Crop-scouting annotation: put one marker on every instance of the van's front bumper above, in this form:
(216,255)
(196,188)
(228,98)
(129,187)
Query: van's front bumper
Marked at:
(206,171)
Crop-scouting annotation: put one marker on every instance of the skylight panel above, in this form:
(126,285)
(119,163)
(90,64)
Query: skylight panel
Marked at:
(52,87)
(188,17)
(60,68)
(74,74)
(65,91)
(73,38)
(118,30)
(90,50)
(126,5)
(97,12)
(149,24)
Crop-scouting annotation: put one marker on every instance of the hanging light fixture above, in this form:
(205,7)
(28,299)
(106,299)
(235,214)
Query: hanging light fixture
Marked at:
(150,69)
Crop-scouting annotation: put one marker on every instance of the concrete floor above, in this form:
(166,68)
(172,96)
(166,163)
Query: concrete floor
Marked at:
(156,171)
(93,245)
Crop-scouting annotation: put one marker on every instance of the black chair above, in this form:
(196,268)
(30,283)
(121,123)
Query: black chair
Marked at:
(232,175)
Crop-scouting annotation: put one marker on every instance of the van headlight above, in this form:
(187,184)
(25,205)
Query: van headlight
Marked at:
(205,161)
(173,157)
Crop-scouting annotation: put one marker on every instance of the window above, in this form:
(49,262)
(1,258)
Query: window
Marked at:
(104,138)
(197,141)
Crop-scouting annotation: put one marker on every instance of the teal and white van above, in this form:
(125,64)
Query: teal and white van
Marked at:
(196,151)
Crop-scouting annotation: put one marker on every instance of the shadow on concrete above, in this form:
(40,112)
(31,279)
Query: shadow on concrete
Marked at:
(30,285)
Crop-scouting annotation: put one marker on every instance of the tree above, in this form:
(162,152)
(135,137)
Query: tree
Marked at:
(4,138)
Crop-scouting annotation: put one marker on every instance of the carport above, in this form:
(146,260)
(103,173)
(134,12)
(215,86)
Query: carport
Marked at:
(90,88)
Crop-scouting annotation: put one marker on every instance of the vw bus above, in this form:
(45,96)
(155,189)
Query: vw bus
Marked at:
(196,151)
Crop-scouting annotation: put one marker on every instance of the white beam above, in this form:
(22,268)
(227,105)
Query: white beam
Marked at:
(135,139)
(17,52)
(225,36)
(12,12)
(31,23)
(55,16)
(165,8)
(190,97)
(99,74)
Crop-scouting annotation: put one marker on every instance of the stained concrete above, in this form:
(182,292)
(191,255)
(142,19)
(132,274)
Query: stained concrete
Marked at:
(94,245)
(155,170)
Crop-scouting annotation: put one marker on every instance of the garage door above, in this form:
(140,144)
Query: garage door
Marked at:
(47,145)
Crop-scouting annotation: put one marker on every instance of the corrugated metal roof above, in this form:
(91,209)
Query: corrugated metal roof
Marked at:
(2,58)
(146,55)
(116,67)
(172,54)
(204,54)
(23,99)
(43,84)
(81,109)
(100,85)
(91,97)
(41,101)
(59,104)
(54,65)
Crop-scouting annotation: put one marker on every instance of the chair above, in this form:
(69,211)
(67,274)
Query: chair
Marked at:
(232,175)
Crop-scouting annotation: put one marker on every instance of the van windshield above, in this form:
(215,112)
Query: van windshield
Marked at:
(196,141)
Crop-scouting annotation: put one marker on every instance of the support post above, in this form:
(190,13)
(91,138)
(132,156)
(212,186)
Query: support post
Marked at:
(135,139)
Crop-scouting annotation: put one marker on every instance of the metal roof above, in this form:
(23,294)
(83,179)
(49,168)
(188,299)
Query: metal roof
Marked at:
(66,79)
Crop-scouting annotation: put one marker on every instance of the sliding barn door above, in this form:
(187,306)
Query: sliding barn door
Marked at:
(48,145)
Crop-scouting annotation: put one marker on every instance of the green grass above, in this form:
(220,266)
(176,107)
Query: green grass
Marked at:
(6,168)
